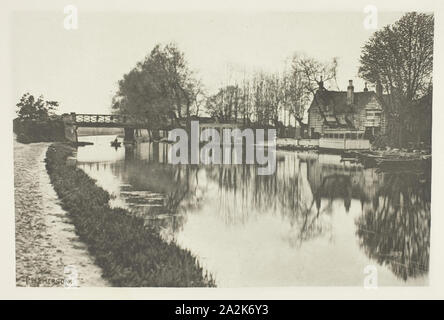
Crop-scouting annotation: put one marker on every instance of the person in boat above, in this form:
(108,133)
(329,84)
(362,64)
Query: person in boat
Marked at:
(115,143)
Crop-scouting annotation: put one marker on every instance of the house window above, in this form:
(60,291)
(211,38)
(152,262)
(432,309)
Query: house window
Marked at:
(341,136)
(353,136)
(373,114)
(347,136)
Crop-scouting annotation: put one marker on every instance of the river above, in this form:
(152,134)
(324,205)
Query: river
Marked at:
(316,221)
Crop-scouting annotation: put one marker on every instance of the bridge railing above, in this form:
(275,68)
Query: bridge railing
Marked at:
(109,119)
(156,121)
(101,118)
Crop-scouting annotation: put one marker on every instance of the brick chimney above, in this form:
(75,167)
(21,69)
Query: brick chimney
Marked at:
(365,88)
(379,89)
(321,85)
(350,90)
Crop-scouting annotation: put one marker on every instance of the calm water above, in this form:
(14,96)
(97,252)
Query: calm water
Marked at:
(316,221)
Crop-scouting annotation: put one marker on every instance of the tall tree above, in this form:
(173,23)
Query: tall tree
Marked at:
(295,94)
(159,86)
(225,104)
(274,96)
(400,58)
(313,73)
(264,98)
(304,78)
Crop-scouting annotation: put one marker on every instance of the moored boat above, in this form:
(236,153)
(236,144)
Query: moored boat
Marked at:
(400,163)
(391,161)
(343,140)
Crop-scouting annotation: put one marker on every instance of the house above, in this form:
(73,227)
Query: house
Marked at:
(347,111)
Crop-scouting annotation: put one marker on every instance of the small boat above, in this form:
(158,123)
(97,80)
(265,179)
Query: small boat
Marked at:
(403,163)
(83,143)
(368,158)
(350,156)
(115,144)
(351,159)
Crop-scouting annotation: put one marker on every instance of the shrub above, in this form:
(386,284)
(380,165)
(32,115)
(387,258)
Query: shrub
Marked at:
(29,131)
(130,253)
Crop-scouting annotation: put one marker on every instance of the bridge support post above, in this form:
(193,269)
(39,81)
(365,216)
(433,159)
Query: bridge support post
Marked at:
(70,127)
(129,153)
(156,153)
(156,135)
(129,135)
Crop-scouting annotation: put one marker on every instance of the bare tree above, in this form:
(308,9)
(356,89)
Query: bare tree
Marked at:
(304,78)
(274,96)
(295,95)
(314,73)
(225,104)
(265,97)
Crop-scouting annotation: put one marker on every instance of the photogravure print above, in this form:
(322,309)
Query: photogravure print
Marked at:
(222,149)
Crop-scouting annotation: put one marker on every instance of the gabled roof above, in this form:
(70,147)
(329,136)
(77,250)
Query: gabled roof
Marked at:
(338,100)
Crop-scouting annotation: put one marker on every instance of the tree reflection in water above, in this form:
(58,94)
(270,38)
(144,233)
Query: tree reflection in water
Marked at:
(244,195)
(176,185)
(394,228)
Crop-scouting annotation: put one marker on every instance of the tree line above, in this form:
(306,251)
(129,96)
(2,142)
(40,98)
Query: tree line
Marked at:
(163,85)
(398,57)
(273,98)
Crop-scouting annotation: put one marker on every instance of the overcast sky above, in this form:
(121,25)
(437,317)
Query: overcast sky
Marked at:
(80,68)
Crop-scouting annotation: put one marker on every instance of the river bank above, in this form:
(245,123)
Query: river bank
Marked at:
(387,158)
(47,248)
(130,253)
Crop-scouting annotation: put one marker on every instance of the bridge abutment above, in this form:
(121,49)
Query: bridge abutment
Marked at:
(70,127)
(129,135)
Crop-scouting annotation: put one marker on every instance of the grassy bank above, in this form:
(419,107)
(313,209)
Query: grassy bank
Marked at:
(130,254)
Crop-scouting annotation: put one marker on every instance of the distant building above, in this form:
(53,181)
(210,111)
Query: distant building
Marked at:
(347,111)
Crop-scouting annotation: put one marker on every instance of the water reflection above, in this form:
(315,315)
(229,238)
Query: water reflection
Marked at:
(395,226)
(316,221)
